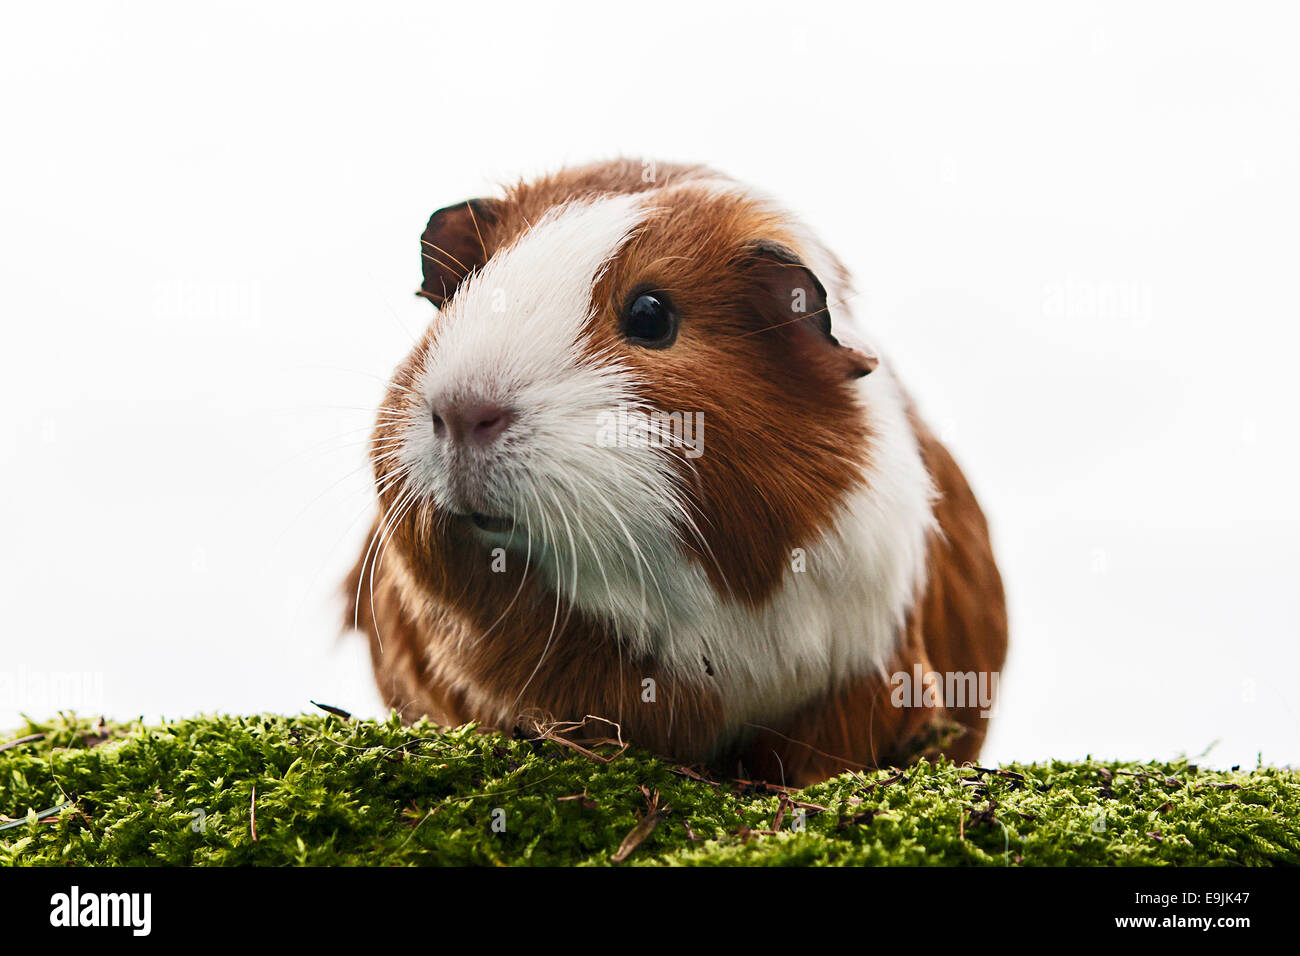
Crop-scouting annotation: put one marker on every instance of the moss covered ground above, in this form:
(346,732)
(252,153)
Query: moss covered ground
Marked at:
(324,790)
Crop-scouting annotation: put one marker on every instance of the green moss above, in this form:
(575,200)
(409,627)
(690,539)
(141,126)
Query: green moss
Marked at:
(332,791)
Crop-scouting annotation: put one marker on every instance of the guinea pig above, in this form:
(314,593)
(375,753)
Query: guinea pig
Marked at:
(644,468)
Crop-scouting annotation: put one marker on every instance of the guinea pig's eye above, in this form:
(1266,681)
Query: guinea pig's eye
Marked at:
(650,320)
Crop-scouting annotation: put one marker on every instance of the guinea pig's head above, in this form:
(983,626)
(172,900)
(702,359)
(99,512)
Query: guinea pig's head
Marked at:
(617,387)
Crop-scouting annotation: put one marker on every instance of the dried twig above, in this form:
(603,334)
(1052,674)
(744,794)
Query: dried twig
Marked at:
(336,711)
(554,731)
(42,815)
(687,772)
(587,802)
(30,738)
(996,770)
(1167,781)
(684,771)
(781,806)
(643,828)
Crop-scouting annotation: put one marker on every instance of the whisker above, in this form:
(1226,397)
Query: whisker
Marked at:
(434,245)
(555,619)
(388,381)
(412,498)
(433,258)
(806,315)
(478,232)
(523,578)
(356,607)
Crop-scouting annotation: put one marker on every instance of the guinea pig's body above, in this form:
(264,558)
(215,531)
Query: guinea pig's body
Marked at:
(642,468)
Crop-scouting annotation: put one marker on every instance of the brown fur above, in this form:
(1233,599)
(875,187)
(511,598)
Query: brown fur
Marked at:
(458,645)
(959,625)
(740,360)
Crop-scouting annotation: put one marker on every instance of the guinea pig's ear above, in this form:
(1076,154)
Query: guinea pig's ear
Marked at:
(789,296)
(453,246)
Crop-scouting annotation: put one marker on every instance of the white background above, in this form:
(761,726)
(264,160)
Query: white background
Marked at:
(1075,229)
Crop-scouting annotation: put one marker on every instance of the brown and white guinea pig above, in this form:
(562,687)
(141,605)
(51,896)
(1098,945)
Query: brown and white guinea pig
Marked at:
(642,466)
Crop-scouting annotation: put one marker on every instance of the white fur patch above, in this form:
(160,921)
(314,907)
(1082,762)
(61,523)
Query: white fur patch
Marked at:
(843,614)
(599,522)
(602,523)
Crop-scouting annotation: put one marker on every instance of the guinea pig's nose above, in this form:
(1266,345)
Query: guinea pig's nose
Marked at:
(472,423)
